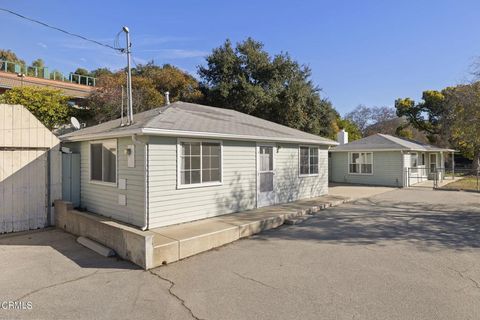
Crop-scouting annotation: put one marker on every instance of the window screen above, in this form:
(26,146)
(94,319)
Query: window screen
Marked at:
(361,162)
(200,162)
(308,160)
(103,161)
(96,161)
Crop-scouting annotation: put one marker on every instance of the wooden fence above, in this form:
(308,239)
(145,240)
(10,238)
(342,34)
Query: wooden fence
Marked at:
(30,170)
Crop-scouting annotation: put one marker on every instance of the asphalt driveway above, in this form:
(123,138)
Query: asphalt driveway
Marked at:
(404,254)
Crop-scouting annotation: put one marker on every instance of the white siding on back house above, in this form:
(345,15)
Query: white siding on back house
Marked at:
(169,205)
(103,199)
(387,169)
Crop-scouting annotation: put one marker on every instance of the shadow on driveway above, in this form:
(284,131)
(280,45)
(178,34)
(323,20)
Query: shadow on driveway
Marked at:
(375,220)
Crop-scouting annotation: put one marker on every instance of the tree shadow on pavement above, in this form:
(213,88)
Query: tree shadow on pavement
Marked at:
(371,221)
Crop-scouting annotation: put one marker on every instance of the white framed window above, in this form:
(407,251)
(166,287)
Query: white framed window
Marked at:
(360,163)
(199,163)
(414,162)
(308,161)
(103,161)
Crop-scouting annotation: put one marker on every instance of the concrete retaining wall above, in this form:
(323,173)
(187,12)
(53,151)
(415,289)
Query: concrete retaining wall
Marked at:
(129,243)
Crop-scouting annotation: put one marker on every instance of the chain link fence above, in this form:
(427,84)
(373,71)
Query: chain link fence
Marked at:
(465,179)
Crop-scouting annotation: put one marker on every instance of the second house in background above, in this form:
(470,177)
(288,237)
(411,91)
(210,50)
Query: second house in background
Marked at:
(385,160)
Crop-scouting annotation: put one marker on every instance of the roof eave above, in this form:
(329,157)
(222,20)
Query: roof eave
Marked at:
(192,134)
(200,134)
(391,149)
(100,136)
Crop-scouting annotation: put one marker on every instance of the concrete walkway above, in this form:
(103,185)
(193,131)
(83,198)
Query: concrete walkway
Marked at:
(355,191)
(429,183)
(177,242)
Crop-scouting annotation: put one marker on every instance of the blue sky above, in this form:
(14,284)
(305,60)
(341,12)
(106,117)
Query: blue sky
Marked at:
(360,52)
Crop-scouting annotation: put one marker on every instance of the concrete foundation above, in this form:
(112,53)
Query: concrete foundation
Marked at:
(128,242)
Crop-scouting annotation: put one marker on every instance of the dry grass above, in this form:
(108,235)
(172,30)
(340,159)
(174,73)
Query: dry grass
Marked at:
(467,183)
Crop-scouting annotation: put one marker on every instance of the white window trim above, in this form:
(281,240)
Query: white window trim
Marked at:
(359,173)
(197,185)
(299,161)
(102,183)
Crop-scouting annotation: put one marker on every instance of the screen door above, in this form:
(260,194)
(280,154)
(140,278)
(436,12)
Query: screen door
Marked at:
(266,176)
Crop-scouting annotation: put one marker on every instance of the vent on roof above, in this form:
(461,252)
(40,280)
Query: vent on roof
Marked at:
(167,98)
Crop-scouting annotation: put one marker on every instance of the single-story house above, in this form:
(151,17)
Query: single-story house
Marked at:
(382,159)
(184,162)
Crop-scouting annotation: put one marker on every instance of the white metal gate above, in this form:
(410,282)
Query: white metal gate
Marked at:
(27,183)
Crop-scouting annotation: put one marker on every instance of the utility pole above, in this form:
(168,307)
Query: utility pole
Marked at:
(129,77)
(121,110)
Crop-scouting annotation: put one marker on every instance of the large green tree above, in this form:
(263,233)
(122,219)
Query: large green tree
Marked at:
(464,101)
(246,78)
(181,85)
(450,117)
(149,84)
(105,102)
(431,115)
(48,105)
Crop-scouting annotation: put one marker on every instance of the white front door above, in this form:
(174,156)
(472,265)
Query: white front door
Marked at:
(433,162)
(265,176)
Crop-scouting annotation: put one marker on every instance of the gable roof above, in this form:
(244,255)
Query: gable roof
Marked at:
(183,119)
(386,142)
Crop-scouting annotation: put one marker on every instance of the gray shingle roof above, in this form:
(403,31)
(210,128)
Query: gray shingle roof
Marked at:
(188,119)
(386,142)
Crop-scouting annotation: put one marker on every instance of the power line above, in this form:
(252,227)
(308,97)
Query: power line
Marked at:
(61,30)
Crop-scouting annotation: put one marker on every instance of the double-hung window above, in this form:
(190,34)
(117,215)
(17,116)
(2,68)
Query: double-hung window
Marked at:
(360,163)
(308,161)
(103,161)
(200,163)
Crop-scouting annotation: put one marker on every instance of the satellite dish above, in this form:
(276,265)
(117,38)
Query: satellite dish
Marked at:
(75,123)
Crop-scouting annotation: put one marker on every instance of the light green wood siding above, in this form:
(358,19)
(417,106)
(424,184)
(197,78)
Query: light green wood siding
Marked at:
(103,199)
(289,185)
(387,169)
(169,205)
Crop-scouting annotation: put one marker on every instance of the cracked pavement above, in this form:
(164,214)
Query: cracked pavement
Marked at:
(405,254)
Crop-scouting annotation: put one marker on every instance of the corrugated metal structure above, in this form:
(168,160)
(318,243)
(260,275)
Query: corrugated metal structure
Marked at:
(28,183)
